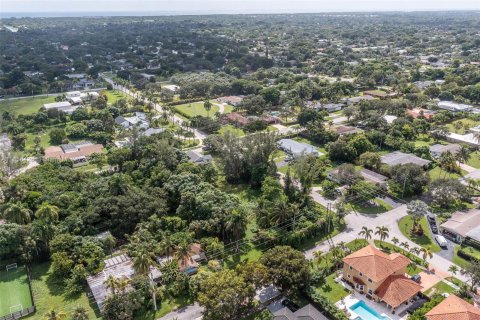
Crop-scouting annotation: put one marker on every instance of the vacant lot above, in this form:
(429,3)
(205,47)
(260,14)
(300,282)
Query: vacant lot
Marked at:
(25,106)
(114,95)
(14,291)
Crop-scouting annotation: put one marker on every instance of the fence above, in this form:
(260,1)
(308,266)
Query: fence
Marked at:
(19,314)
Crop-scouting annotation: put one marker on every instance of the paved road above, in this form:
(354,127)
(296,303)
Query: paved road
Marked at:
(198,134)
(355,222)
(191,312)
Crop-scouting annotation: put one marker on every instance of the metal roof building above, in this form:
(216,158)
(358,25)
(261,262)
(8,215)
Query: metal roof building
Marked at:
(296,149)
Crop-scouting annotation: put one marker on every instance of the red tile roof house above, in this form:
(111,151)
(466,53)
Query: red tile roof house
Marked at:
(236,118)
(380,276)
(454,308)
(78,152)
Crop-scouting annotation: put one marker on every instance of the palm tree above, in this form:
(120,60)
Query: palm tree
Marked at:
(112,284)
(182,253)
(404,245)
(426,253)
(366,233)
(395,241)
(318,255)
(447,162)
(237,224)
(453,269)
(17,213)
(47,213)
(207,105)
(382,232)
(463,154)
(55,315)
(168,247)
(142,262)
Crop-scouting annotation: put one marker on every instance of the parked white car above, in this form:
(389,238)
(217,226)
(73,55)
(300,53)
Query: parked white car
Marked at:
(441,241)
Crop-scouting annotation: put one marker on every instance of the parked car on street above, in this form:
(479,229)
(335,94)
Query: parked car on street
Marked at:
(416,278)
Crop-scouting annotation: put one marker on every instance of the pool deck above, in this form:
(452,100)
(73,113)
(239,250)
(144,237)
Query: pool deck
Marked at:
(379,308)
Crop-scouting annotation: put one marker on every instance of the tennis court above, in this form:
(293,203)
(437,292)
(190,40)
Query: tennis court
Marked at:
(14,291)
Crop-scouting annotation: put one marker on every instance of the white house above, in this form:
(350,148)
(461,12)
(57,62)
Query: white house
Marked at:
(63,106)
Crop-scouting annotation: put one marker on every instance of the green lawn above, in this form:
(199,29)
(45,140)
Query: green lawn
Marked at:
(380,207)
(332,290)
(439,173)
(426,240)
(167,305)
(48,293)
(196,109)
(465,121)
(439,288)
(462,262)
(424,140)
(237,131)
(14,290)
(474,160)
(25,106)
(114,95)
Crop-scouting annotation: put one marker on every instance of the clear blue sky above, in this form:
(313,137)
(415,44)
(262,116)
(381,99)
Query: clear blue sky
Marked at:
(233,6)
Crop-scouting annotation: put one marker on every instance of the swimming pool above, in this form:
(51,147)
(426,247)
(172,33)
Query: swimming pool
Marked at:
(365,312)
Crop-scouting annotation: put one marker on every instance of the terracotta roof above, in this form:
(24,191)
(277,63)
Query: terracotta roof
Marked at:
(454,308)
(397,289)
(82,151)
(376,264)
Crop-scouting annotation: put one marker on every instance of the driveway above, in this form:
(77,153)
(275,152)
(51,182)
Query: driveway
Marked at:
(192,312)
(449,252)
(429,279)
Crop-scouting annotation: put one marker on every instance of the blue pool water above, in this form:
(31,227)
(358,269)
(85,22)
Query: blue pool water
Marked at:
(365,312)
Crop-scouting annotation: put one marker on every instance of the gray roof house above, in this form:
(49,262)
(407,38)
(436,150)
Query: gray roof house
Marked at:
(306,313)
(373,177)
(296,149)
(198,158)
(437,150)
(398,157)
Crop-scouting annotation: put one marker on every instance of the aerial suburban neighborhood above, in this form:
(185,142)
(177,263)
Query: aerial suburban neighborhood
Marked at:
(275,166)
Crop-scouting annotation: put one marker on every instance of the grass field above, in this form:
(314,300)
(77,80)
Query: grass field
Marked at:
(474,160)
(196,109)
(114,95)
(439,173)
(49,293)
(331,289)
(465,123)
(425,240)
(25,106)
(14,290)
(380,207)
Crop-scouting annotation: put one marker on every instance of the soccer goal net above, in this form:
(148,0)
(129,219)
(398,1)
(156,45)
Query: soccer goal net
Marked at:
(11,266)
(16,308)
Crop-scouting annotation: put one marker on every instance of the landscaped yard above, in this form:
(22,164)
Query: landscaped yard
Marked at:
(167,305)
(114,95)
(439,173)
(426,240)
(48,293)
(332,290)
(474,160)
(14,291)
(230,128)
(379,207)
(461,261)
(196,109)
(439,288)
(465,124)
(25,106)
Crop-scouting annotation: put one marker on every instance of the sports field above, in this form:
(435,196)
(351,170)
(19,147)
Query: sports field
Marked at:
(14,290)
